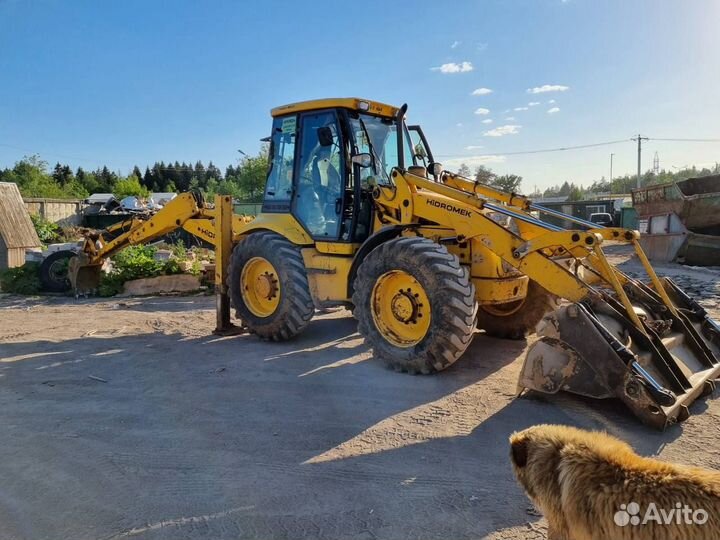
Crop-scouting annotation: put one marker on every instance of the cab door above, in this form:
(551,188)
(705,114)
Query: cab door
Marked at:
(320,175)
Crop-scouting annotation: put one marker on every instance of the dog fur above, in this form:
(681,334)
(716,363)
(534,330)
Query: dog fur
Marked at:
(579,480)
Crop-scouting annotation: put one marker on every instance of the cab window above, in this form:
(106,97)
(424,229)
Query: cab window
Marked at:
(282,159)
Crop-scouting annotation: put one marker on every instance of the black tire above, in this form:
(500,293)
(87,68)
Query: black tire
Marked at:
(53,271)
(295,307)
(517,325)
(452,303)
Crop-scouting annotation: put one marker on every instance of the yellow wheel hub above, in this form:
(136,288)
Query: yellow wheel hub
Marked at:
(400,308)
(260,287)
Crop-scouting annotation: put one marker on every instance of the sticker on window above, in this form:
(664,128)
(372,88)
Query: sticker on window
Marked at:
(289,124)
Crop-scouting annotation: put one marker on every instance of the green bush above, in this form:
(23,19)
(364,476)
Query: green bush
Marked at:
(47,231)
(136,262)
(21,280)
(172,266)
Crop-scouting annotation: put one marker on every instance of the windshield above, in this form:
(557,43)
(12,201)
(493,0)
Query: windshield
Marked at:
(378,136)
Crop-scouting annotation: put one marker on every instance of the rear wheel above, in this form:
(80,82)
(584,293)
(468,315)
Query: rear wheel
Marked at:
(516,319)
(415,305)
(54,271)
(269,287)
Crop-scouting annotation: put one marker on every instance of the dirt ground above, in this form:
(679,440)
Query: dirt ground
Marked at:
(128,419)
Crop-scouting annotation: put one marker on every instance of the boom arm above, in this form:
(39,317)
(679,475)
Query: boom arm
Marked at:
(187,211)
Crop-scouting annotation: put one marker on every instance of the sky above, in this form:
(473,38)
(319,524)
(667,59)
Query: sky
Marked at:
(98,83)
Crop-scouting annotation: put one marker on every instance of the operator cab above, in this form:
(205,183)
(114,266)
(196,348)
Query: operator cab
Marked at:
(327,155)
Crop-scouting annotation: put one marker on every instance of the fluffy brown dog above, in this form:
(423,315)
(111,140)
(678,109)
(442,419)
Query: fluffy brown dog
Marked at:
(591,486)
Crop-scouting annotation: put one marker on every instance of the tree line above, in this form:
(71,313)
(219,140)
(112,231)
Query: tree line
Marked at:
(244,181)
(484,175)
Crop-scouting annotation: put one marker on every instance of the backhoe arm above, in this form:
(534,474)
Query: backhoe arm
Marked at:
(172,216)
(187,211)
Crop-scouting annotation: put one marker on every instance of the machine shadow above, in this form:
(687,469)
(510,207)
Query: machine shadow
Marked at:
(301,415)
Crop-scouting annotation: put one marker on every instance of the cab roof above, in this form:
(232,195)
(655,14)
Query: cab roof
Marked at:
(357,104)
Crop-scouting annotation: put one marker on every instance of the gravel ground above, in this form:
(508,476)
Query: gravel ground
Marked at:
(128,419)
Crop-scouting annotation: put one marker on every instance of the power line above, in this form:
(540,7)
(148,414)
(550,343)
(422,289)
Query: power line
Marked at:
(545,150)
(684,140)
(577,147)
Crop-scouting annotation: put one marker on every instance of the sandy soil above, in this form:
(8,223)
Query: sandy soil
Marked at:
(128,419)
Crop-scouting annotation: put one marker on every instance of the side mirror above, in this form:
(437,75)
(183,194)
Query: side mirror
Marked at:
(436,169)
(364,160)
(325,136)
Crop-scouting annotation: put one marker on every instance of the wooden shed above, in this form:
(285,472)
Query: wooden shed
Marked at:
(16,230)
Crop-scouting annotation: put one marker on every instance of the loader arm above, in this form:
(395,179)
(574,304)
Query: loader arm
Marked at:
(414,197)
(648,345)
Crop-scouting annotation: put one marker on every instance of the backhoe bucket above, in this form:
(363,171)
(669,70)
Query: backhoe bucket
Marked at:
(593,349)
(84,277)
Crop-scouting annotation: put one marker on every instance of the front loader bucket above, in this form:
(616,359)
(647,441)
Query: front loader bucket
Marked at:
(84,277)
(593,349)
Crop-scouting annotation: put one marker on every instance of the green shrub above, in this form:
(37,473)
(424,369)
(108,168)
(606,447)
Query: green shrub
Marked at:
(47,231)
(136,262)
(172,266)
(179,251)
(21,280)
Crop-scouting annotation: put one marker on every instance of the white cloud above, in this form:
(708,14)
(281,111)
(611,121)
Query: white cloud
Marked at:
(472,161)
(551,101)
(487,121)
(459,124)
(533,104)
(474,147)
(452,67)
(482,91)
(482,110)
(501,131)
(548,88)
(554,110)
(510,118)
(454,44)
(520,109)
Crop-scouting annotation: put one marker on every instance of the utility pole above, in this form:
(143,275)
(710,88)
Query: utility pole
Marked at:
(639,140)
(611,156)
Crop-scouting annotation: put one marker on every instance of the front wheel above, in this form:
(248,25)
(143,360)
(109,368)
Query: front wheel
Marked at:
(268,286)
(415,305)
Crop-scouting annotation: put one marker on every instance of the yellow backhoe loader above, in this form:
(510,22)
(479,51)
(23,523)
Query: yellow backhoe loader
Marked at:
(356,212)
